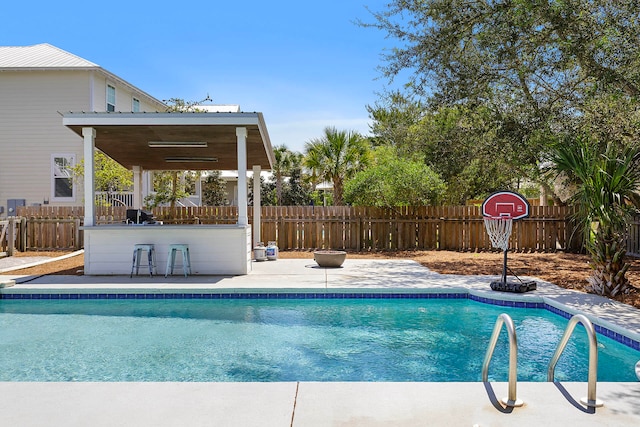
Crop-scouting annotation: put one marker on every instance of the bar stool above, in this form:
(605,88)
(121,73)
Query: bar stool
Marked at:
(171,259)
(151,258)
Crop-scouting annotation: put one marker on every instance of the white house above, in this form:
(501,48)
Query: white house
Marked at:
(57,108)
(37,84)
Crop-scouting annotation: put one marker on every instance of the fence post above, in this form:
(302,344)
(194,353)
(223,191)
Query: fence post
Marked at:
(11,236)
(23,234)
(77,234)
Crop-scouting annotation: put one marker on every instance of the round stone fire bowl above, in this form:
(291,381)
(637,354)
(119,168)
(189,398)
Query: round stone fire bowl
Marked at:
(330,259)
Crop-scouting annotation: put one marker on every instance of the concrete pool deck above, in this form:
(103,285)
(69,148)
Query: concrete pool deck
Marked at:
(319,404)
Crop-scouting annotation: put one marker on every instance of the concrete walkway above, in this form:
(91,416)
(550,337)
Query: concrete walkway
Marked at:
(320,404)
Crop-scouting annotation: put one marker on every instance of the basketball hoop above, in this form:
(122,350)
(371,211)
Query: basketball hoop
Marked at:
(499,231)
(499,210)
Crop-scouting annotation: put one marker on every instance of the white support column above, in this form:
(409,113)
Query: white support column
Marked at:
(199,187)
(256,205)
(147,183)
(137,187)
(89,135)
(241,134)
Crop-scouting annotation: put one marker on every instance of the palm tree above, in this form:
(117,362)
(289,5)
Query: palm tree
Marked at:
(336,157)
(607,181)
(284,161)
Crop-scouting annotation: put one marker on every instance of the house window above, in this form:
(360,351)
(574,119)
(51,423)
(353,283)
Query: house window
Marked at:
(111,98)
(62,189)
(135,105)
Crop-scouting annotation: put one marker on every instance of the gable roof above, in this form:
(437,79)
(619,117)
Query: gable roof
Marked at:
(40,56)
(44,57)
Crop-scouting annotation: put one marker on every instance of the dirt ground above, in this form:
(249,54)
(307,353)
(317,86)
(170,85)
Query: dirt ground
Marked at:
(566,270)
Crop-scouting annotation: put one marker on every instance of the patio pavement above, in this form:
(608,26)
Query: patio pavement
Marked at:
(319,404)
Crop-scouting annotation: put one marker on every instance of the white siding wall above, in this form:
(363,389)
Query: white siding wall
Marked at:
(124,96)
(31,130)
(31,127)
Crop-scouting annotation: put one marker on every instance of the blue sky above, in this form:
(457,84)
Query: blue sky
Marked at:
(303,64)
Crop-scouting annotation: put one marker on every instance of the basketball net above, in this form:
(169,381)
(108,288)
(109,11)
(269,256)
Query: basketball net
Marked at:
(499,231)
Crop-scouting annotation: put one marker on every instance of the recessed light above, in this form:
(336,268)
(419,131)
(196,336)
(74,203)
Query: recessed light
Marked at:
(174,144)
(190,159)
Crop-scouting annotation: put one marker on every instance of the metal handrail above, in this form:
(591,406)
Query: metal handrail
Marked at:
(504,319)
(590,400)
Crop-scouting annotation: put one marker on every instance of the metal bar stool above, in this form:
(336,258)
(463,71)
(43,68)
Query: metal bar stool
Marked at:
(151,258)
(171,259)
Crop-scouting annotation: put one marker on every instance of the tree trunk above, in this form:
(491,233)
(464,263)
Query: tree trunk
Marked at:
(609,268)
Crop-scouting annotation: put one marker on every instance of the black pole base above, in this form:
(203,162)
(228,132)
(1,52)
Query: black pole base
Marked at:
(517,287)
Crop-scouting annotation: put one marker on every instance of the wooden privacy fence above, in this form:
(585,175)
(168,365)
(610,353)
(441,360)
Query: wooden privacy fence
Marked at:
(456,228)
(42,234)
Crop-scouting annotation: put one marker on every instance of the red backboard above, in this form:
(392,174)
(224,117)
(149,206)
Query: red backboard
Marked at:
(505,204)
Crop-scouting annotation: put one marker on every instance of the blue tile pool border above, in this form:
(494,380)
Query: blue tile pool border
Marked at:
(616,336)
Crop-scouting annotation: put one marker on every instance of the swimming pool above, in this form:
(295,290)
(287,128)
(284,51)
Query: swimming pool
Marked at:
(286,340)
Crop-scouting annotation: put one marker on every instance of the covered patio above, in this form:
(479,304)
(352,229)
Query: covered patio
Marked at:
(174,141)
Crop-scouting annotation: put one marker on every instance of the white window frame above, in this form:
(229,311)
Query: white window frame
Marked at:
(72,161)
(108,103)
(135,105)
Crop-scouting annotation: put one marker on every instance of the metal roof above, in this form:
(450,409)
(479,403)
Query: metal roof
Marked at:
(44,57)
(40,56)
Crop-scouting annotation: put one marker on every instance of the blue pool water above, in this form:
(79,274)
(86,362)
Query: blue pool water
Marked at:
(286,340)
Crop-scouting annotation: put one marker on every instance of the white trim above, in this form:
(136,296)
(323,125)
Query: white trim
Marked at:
(150,119)
(92,106)
(89,137)
(256,205)
(137,187)
(241,136)
(69,156)
(133,104)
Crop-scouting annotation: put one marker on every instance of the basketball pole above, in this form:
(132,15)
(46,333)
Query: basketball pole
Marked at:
(504,268)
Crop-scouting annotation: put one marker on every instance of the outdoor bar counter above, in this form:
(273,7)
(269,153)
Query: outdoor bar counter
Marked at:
(214,249)
(176,141)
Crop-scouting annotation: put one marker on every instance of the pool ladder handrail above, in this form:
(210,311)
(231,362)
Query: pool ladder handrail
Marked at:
(504,319)
(590,399)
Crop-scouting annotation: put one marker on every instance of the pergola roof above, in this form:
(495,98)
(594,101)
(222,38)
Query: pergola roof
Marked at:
(126,138)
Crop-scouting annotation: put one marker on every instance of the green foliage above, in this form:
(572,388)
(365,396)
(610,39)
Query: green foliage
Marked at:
(336,157)
(214,190)
(607,178)
(466,148)
(393,116)
(110,176)
(180,105)
(503,81)
(168,188)
(393,181)
(296,192)
(321,198)
(286,161)
(540,53)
